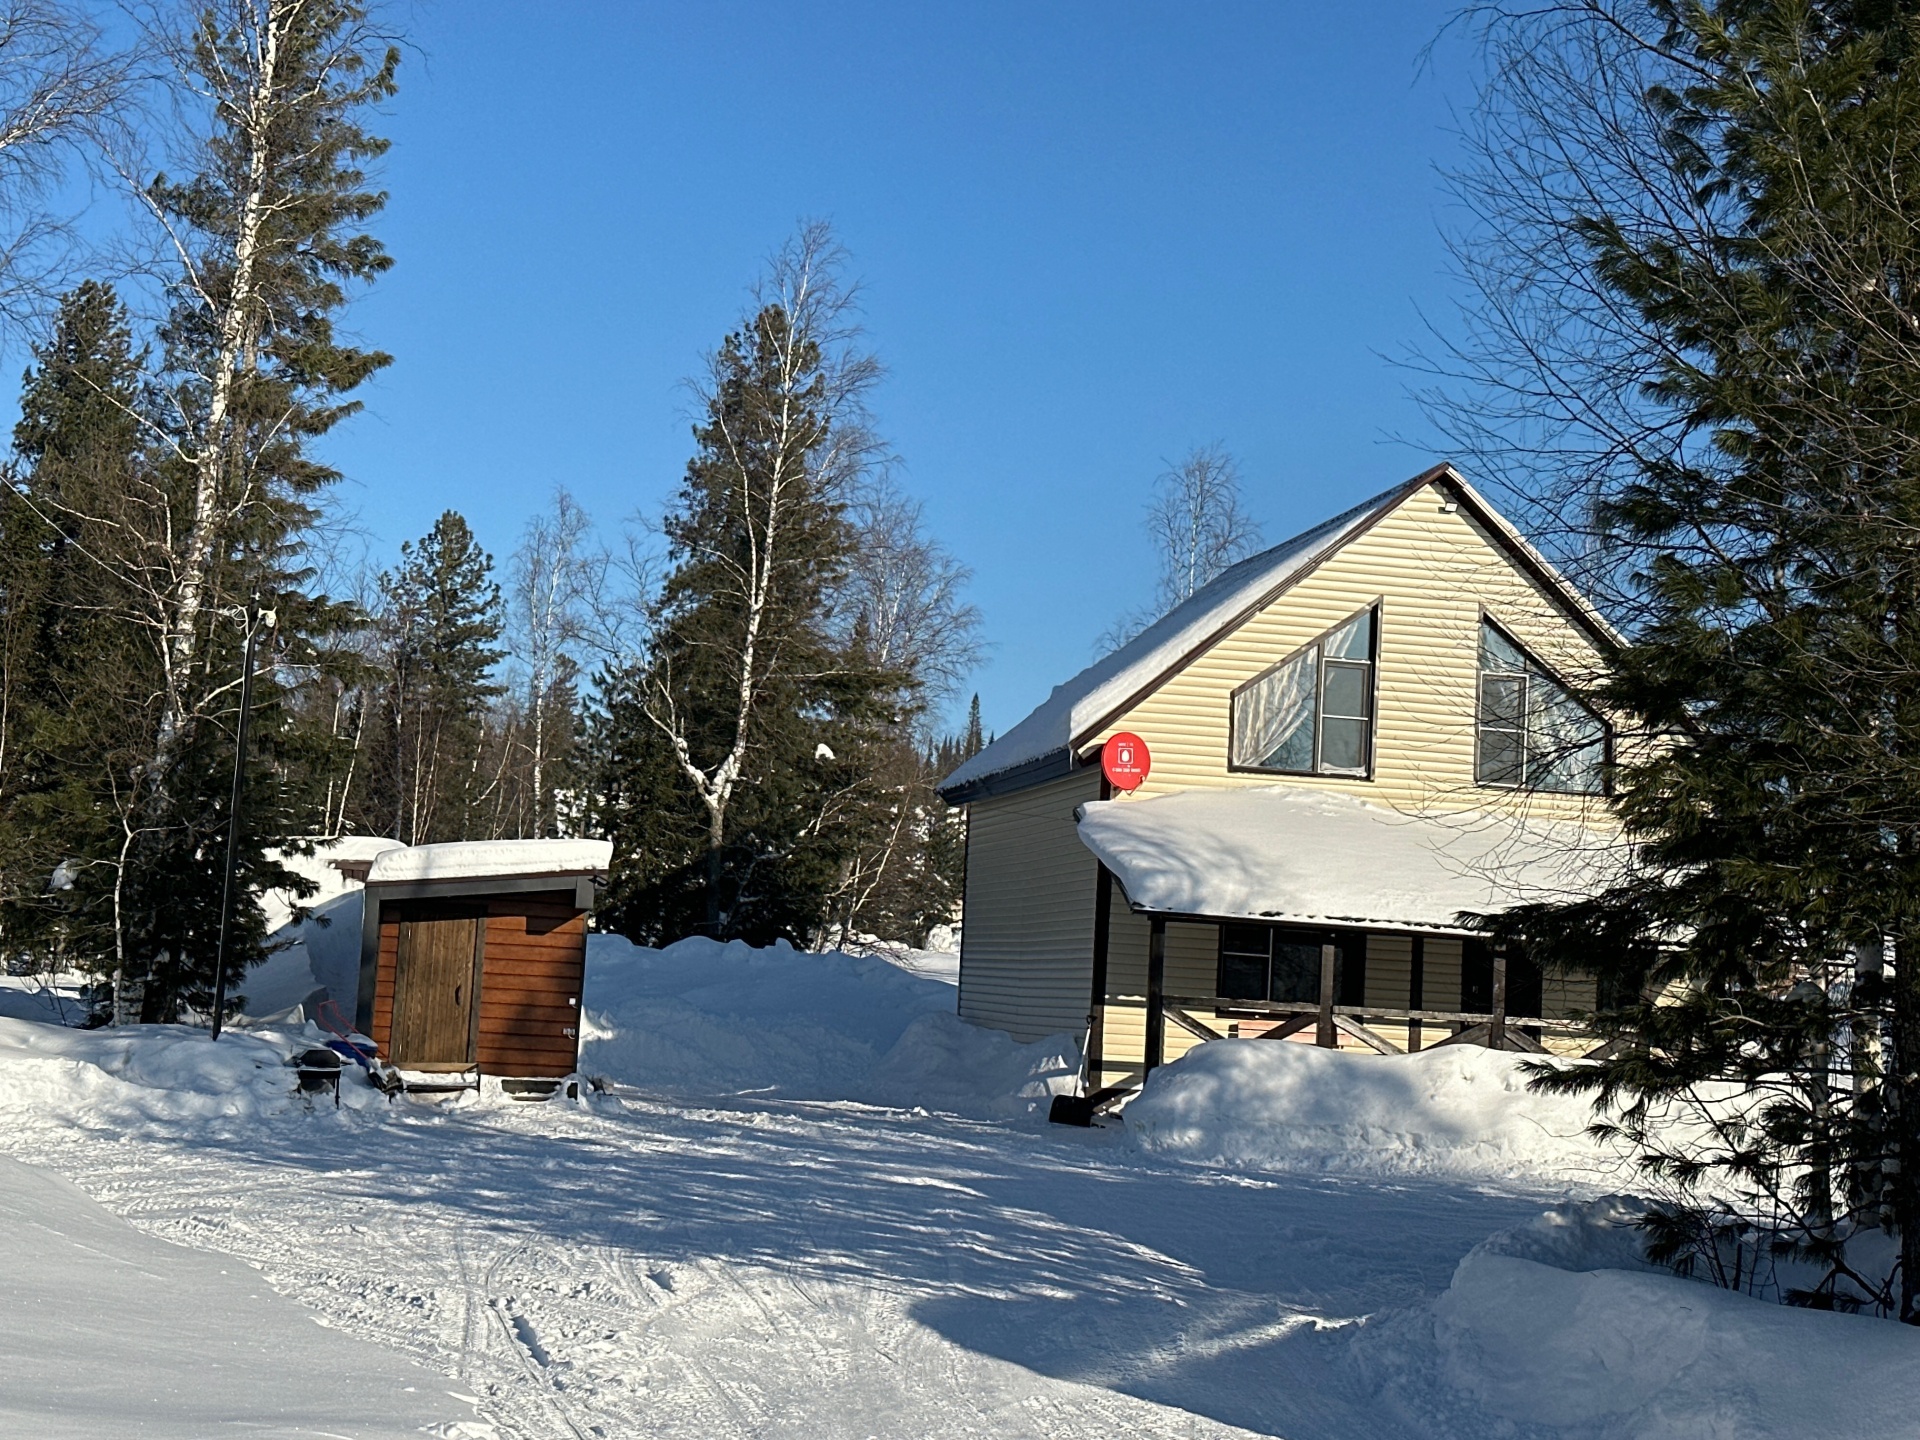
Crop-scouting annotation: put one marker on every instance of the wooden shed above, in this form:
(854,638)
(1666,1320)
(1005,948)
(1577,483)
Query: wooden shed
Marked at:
(473,954)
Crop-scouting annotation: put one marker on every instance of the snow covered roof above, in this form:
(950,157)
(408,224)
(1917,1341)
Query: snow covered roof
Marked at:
(486,859)
(1286,853)
(1077,710)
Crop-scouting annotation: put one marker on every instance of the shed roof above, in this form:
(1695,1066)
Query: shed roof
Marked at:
(488,859)
(1078,709)
(1313,856)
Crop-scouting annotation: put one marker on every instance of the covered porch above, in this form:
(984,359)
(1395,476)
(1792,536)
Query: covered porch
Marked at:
(1290,914)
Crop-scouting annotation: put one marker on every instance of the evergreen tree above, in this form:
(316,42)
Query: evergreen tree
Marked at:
(730,748)
(268,233)
(441,619)
(74,677)
(1769,933)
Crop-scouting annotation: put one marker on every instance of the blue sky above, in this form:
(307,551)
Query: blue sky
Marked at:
(1091,237)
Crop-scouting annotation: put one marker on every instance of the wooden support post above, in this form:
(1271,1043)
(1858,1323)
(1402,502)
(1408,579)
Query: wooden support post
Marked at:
(1097,1002)
(1417,990)
(1156,984)
(1497,1027)
(1325,1034)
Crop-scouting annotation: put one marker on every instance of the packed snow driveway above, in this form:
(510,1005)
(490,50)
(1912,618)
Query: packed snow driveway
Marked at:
(772,1240)
(793,1269)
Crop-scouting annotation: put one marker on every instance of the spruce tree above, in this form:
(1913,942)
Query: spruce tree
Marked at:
(268,234)
(75,675)
(728,748)
(442,617)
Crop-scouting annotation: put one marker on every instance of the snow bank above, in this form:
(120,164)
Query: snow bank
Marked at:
(1560,1324)
(467,859)
(1455,1110)
(150,1075)
(943,1063)
(110,1332)
(705,1018)
(315,958)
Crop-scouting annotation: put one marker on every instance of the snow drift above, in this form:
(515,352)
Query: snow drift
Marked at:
(1455,1110)
(152,1076)
(1560,1324)
(705,1018)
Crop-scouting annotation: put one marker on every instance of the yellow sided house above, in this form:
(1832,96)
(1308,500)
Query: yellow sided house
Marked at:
(1347,741)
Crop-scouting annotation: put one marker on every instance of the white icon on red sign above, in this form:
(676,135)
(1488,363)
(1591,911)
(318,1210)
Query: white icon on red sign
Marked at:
(1125,761)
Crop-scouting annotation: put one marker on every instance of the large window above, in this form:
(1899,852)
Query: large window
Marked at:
(1312,714)
(1282,964)
(1533,734)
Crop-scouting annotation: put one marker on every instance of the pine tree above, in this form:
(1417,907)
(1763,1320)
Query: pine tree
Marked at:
(1769,934)
(75,680)
(441,619)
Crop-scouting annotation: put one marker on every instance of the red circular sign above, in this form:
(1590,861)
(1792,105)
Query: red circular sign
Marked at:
(1125,760)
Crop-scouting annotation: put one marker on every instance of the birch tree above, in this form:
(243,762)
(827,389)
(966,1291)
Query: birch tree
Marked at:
(1199,525)
(550,584)
(746,681)
(262,239)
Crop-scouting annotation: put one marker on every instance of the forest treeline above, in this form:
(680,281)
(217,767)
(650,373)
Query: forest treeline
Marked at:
(741,691)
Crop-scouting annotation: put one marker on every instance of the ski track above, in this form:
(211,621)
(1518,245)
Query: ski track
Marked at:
(786,1269)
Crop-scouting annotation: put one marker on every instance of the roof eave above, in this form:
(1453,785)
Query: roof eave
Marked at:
(1054,765)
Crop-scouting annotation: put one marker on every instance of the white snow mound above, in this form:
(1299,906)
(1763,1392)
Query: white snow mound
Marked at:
(151,1075)
(1455,1110)
(705,1018)
(1560,1325)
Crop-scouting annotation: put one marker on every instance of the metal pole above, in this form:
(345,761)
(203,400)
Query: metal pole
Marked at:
(233,816)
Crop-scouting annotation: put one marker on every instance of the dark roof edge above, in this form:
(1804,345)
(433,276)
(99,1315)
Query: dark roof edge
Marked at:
(1577,607)
(1054,765)
(1385,505)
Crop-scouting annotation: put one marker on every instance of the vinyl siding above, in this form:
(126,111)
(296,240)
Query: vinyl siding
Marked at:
(1026,948)
(1432,573)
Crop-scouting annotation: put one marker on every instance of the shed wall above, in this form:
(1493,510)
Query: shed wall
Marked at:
(532,969)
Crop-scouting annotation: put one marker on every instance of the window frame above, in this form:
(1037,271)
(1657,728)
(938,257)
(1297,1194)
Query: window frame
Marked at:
(1376,607)
(1534,663)
(1350,962)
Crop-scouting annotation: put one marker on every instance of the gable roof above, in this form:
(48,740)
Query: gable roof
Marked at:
(1041,747)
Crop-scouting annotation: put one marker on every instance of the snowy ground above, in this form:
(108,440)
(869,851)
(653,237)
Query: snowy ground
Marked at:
(778,1256)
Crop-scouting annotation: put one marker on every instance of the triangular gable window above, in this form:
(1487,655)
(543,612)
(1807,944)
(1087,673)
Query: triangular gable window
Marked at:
(1533,734)
(1312,714)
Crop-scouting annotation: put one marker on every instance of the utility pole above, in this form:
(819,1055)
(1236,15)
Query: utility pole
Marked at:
(256,621)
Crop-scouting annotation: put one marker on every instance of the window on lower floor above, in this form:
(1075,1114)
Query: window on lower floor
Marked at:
(1525,982)
(1281,964)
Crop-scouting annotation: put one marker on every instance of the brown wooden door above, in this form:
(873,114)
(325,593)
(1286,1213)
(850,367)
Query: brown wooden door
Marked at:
(434,1004)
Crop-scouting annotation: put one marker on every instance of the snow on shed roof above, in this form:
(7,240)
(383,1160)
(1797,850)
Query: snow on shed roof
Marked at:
(1287,853)
(485,859)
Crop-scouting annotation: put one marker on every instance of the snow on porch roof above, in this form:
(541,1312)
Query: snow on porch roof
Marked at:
(486,859)
(1283,853)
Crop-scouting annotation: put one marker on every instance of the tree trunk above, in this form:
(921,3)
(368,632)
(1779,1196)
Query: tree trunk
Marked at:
(239,324)
(1903,1118)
